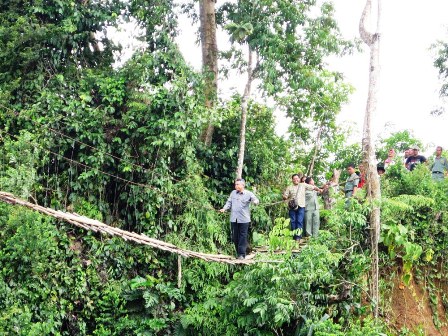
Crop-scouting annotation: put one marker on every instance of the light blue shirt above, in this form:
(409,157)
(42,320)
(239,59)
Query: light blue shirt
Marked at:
(239,204)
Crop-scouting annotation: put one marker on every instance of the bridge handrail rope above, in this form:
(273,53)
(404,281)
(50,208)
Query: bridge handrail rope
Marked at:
(97,149)
(114,156)
(142,185)
(97,226)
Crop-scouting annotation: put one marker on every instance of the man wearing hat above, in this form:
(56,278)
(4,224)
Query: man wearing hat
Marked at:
(414,159)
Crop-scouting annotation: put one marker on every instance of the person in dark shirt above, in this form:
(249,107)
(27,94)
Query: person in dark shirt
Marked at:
(414,159)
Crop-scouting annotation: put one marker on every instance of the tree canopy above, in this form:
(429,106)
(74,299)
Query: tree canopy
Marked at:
(121,142)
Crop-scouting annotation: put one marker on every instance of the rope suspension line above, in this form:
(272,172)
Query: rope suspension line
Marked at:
(138,166)
(142,185)
(85,166)
(97,226)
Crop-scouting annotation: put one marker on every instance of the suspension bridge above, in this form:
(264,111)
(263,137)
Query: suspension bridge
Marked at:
(97,226)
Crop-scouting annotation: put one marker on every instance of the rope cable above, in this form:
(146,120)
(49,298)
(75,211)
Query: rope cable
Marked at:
(219,195)
(85,166)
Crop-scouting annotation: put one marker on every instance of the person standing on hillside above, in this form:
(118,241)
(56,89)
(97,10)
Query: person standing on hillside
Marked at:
(312,216)
(407,153)
(362,176)
(390,158)
(414,159)
(440,166)
(330,189)
(239,202)
(351,185)
(296,192)
(296,212)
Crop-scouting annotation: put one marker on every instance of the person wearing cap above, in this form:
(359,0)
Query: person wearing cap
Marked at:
(440,165)
(414,159)
(238,203)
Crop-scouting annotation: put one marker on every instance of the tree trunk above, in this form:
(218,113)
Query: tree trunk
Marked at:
(316,148)
(94,43)
(330,188)
(244,103)
(209,60)
(372,179)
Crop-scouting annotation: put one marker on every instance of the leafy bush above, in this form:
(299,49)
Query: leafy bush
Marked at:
(272,298)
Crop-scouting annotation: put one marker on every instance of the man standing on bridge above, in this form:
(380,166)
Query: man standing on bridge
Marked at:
(239,202)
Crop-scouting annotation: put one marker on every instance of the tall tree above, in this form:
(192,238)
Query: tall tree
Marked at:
(317,146)
(372,39)
(209,59)
(241,33)
(441,63)
(287,46)
(244,104)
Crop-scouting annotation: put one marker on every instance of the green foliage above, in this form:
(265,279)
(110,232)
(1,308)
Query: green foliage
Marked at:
(54,282)
(153,303)
(280,237)
(121,145)
(333,152)
(290,40)
(402,182)
(259,239)
(414,229)
(42,42)
(239,32)
(327,327)
(440,63)
(395,237)
(345,155)
(399,141)
(266,153)
(19,161)
(275,298)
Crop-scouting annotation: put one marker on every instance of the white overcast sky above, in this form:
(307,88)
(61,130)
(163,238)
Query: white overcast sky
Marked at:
(408,84)
(408,87)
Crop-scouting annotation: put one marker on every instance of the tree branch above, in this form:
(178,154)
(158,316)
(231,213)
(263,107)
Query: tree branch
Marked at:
(367,37)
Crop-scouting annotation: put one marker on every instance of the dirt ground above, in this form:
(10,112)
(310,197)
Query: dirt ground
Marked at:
(411,310)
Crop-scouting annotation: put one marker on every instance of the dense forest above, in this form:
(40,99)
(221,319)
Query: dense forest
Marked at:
(148,145)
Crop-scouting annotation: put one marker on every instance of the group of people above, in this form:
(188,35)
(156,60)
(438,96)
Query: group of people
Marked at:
(303,206)
(305,210)
(302,196)
(412,158)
